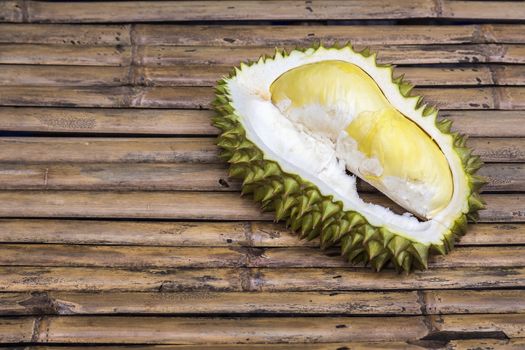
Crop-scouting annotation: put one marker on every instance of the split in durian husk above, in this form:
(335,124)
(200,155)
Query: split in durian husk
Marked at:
(293,124)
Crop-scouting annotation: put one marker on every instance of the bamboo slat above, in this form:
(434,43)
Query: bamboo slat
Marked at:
(132,257)
(312,257)
(145,233)
(303,303)
(491,123)
(151,330)
(469,301)
(36,75)
(201,303)
(507,344)
(275,235)
(136,121)
(189,205)
(138,11)
(167,205)
(258,35)
(78,149)
(118,55)
(327,279)
(22,279)
(478,123)
(84,279)
(88,35)
(165,177)
(511,326)
(284,346)
(206,75)
(175,149)
(163,55)
(201,97)
(182,177)
(481,9)
(279,35)
(16,330)
(121,96)
(10,11)
(123,257)
(142,11)
(470,344)
(504,149)
(201,234)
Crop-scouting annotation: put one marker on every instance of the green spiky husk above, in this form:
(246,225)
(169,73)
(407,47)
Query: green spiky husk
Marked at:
(312,215)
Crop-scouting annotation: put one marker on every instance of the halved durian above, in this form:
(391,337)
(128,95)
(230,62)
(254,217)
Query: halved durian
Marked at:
(299,128)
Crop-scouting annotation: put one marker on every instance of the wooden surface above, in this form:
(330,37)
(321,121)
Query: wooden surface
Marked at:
(119,227)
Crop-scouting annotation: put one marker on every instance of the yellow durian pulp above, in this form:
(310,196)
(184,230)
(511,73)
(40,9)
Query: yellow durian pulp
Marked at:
(339,101)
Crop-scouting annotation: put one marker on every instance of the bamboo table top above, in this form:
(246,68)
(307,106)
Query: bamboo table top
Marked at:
(119,226)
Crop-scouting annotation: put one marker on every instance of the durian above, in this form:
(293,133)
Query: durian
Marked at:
(299,127)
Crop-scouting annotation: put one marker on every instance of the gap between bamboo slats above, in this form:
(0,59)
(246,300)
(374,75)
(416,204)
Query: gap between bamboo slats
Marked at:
(159,330)
(201,97)
(485,123)
(160,11)
(205,75)
(191,205)
(299,303)
(179,149)
(182,177)
(203,234)
(133,257)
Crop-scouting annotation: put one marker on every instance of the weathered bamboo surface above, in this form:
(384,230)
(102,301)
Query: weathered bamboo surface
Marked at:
(258,330)
(166,55)
(257,35)
(501,177)
(91,279)
(196,257)
(206,75)
(426,302)
(490,123)
(180,149)
(210,234)
(142,11)
(119,225)
(279,35)
(510,344)
(201,97)
(191,205)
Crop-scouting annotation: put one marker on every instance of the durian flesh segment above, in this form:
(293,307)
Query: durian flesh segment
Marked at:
(339,101)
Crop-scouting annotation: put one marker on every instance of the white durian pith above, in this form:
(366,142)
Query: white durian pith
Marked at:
(316,113)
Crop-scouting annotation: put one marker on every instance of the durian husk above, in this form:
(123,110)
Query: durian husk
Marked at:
(312,215)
